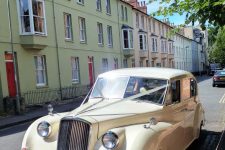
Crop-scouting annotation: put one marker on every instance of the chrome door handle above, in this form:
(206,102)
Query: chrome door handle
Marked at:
(183,110)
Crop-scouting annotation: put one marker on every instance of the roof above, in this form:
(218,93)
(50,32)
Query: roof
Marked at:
(150,72)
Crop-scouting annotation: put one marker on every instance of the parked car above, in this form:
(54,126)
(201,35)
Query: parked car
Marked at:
(219,78)
(213,67)
(127,109)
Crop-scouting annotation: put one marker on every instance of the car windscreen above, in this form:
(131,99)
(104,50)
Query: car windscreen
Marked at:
(124,87)
(220,73)
(146,89)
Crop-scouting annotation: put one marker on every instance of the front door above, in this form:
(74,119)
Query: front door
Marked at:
(10,74)
(91,70)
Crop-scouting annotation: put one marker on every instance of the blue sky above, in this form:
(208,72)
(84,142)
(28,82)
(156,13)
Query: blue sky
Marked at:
(176,18)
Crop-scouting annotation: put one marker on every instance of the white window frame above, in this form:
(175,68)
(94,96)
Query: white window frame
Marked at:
(108,7)
(82,27)
(80,2)
(137,20)
(100,33)
(130,38)
(42,69)
(154,45)
(31,19)
(75,69)
(144,42)
(69,35)
(105,65)
(110,36)
(99,5)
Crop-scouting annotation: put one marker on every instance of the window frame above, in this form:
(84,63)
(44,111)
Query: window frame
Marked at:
(31,19)
(142,22)
(110,36)
(75,70)
(44,70)
(154,45)
(82,29)
(108,7)
(129,39)
(125,11)
(100,33)
(144,42)
(105,65)
(70,27)
(99,4)
(137,20)
(122,12)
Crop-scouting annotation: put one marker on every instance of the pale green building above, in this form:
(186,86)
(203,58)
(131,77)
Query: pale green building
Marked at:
(61,43)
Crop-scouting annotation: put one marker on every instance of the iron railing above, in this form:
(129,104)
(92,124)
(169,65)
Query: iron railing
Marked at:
(42,96)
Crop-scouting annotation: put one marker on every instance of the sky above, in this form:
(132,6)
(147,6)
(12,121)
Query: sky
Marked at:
(176,18)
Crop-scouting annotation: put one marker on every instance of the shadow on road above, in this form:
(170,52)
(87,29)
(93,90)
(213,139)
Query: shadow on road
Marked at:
(203,78)
(208,140)
(14,129)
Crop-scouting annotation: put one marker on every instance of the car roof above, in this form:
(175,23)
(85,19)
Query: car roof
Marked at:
(150,72)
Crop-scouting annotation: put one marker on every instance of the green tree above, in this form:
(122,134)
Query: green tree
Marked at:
(203,11)
(218,49)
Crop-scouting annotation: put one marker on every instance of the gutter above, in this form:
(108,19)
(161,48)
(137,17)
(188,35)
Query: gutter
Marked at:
(120,42)
(57,49)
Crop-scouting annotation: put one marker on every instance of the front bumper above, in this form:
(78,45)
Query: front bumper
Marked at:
(220,82)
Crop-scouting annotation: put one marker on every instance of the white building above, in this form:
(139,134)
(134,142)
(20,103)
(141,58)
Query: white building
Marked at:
(183,52)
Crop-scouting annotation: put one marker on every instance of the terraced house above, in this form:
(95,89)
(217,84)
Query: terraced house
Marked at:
(153,47)
(51,49)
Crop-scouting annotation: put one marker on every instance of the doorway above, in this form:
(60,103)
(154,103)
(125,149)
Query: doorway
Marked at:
(91,70)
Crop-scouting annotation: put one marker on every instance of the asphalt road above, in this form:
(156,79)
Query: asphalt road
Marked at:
(11,138)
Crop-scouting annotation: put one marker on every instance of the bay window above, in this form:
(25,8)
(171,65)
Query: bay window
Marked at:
(32,16)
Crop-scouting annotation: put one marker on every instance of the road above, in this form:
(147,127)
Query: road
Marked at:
(11,138)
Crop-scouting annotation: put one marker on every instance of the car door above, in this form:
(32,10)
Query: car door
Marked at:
(188,94)
(174,110)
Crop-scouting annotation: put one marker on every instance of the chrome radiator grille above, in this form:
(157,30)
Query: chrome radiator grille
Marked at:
(73,135)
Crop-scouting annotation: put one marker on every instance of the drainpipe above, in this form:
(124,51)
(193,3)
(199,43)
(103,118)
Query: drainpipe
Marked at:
(118,17)
(57,49)
(14,60)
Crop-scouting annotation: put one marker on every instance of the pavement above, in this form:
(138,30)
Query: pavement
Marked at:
(34,113)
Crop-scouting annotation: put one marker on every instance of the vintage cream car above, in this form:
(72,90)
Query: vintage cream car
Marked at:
(127,109)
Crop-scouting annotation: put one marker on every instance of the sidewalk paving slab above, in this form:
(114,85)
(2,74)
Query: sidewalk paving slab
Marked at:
(13,120)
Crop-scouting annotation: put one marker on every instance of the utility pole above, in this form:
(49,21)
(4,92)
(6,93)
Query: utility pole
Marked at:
(14,60)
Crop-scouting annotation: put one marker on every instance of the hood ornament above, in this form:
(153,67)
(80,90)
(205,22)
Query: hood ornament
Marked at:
(50,109)
(152,121)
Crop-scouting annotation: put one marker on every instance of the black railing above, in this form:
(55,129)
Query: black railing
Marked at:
(42,96)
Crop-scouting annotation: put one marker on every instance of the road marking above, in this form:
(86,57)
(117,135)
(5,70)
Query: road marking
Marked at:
(222,100)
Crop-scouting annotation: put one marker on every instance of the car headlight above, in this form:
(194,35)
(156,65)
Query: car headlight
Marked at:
(110,140)
(44,129)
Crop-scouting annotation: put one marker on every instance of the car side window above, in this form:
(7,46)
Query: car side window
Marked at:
(193,87)
(175,87)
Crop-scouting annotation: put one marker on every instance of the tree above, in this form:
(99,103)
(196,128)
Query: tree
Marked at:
(218,49)
(203,11)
